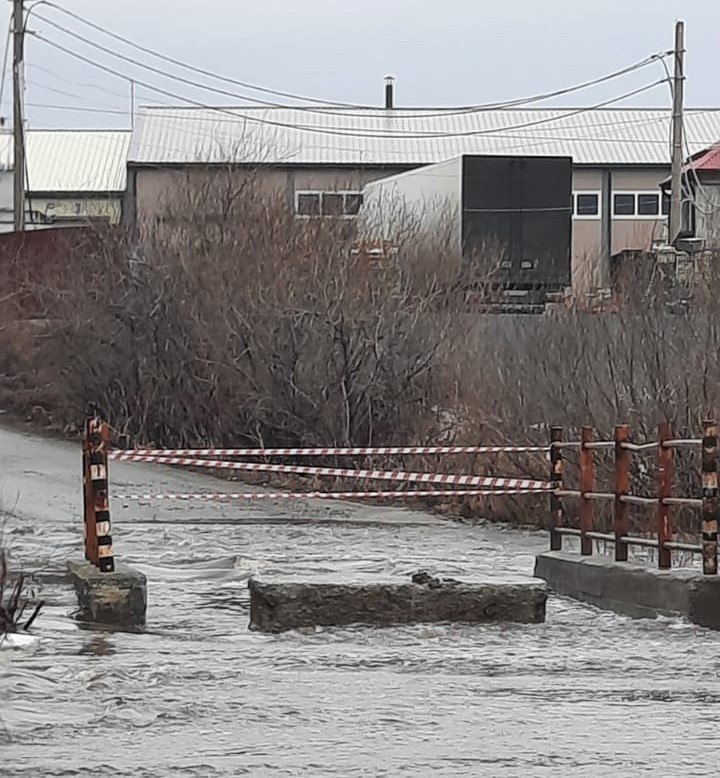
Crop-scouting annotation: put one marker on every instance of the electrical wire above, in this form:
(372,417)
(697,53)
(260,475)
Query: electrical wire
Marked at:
(110,108)
(77,108)
(5,62)
(243,84)
(552,113)
(224,92)
(254,87)
(74,82)
(340,131)
(688,168)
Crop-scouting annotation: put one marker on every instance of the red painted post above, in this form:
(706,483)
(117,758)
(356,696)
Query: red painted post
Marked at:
(621,524)
(587,484)
(88,502)
(99,539)
(665,485)
(709,517)
(556,471)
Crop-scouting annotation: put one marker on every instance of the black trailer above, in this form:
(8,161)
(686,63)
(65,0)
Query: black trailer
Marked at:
(514,211)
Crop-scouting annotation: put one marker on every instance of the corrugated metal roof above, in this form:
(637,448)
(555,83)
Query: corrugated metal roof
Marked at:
(708,161)
(638,136)
(72,160)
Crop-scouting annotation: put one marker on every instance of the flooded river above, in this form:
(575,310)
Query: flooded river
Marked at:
(585,694)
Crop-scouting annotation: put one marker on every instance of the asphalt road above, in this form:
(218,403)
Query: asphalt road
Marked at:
(40,480)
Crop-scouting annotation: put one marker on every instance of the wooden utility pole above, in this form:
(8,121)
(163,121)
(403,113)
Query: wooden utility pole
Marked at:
(132,104)
(676,193)
(18,118)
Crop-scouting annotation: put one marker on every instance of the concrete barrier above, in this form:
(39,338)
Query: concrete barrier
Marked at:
(290,603)
(631,588)
(118,598)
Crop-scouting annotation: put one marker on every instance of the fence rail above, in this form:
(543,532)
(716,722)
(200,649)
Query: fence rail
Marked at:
(622,499)
(96,455)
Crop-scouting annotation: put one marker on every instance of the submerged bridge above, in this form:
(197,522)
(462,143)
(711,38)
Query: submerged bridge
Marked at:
(660,578)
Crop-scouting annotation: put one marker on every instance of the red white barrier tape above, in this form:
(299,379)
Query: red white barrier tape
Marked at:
(323,495)
(513,484)
(325,452)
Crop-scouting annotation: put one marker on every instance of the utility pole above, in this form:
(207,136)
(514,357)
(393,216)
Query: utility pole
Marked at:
(18,118)
(132,104)
(676,193)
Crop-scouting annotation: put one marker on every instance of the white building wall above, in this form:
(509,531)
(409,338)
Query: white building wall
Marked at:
(6,200)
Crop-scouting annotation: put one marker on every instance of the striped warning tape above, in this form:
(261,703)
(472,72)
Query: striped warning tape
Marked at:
(513,484)
(323,452)
(324,495)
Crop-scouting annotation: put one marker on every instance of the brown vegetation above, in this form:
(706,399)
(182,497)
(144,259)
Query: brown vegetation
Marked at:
(229,322)
(14,604)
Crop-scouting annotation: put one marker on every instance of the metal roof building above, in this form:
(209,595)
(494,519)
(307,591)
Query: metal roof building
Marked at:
(72,175)
(400,137)
(319,160)
(72,161)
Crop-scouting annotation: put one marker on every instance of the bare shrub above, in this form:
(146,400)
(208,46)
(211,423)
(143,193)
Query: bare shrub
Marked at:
(14,602)
(246,324)
(227,320)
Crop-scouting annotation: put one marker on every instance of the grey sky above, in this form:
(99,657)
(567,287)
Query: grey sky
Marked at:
(442,53)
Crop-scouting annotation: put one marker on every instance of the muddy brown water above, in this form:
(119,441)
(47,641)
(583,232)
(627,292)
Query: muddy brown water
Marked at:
(196,694)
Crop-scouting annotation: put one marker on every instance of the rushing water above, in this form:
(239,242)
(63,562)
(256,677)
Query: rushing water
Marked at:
(585,694)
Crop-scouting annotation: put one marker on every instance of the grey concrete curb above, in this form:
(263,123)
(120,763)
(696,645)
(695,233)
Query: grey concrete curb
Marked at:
(631,588)
(279,605)
(118,598)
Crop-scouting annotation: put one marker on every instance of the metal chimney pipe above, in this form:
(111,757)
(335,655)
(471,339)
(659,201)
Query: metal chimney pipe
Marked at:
(389,92)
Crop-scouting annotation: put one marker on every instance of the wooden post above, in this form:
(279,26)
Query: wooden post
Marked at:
(709,518)
(98,533)
(621,525)
(665,484)
(587,484)
(556,470)
(88,503)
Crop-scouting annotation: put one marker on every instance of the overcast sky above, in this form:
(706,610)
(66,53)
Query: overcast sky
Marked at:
(442,52)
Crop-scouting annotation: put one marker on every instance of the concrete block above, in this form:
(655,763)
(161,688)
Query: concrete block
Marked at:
(632,588)
(118,598)
(290,603)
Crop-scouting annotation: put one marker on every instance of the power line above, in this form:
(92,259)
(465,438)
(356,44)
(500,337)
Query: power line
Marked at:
(5,62)
(243,84)
(688,169)
(340,131)
(64,93)
(76,108)
(496,133)
(74,82)
(466,109)
(151,68)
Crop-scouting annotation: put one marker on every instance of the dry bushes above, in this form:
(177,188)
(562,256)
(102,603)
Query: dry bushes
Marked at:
(248,325)
(14,602)
(656,359)
(229,321)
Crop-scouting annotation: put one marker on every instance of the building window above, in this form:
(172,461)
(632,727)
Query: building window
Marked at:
(333,204)
(308,204)
(586,205)
(624,205)
(353,201)
(648,204)
(342,205)
(639,205)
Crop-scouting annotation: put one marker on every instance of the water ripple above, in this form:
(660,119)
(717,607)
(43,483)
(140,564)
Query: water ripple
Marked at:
(196,695)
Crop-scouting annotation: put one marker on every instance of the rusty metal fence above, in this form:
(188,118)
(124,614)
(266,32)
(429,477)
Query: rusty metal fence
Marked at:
(96,495)
(661,504)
